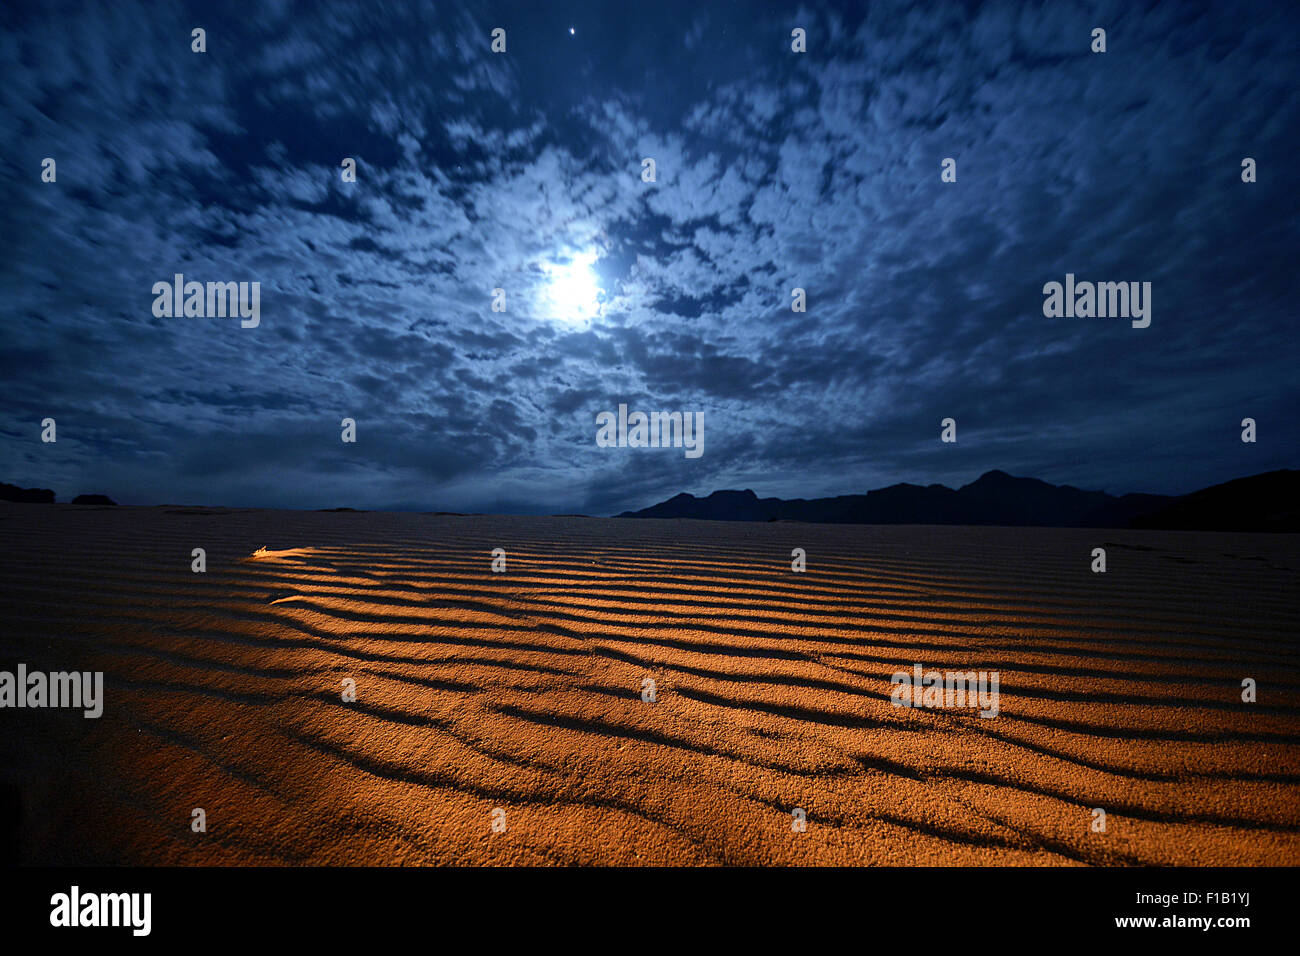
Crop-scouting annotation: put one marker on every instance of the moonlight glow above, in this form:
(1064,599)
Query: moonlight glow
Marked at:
(573,291)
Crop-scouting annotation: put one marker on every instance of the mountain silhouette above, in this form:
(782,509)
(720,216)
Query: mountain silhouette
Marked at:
(93,500)
(10,492)
(1265,502)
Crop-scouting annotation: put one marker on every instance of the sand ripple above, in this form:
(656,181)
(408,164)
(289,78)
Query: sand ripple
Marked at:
(522,691)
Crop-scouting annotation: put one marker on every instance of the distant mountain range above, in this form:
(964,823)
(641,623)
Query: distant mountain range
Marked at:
(44,496)
(10,492)
(1265,502)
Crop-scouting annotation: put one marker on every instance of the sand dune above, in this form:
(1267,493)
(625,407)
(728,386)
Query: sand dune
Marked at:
(522,691)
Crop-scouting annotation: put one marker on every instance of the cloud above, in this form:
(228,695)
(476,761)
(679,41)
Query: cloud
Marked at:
(775,170)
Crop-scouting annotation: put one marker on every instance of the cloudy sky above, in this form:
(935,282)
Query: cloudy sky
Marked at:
(523,171)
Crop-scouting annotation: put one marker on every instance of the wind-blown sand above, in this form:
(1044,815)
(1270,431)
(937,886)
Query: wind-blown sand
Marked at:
(522,691)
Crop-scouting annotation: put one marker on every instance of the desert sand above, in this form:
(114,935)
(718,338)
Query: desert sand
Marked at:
(522,691)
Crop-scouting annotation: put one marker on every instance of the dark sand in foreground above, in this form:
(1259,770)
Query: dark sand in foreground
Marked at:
(522,691)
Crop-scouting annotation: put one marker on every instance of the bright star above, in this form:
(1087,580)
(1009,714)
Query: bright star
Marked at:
(570,31)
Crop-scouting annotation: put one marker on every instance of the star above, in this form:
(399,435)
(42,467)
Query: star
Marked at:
(570,31)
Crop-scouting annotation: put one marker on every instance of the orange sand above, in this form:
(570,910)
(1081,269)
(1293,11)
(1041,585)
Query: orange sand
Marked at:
(522,691)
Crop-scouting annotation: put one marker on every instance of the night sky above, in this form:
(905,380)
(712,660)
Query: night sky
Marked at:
(523,171)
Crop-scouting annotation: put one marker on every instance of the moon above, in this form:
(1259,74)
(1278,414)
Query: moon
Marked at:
(573,290)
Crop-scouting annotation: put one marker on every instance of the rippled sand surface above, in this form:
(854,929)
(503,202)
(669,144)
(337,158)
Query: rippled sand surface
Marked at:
(522,691)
